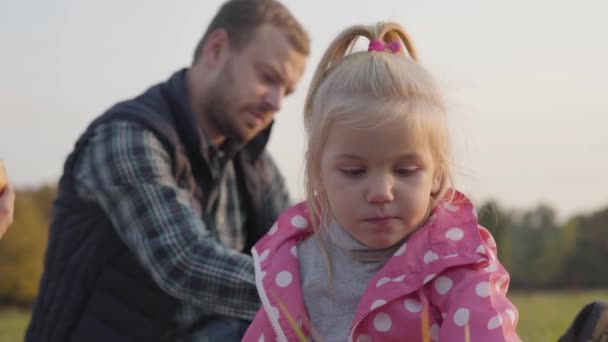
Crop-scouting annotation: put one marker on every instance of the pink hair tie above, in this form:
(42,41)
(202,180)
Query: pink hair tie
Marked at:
(377,45)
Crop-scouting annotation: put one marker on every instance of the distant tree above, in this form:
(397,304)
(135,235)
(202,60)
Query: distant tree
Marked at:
(585,263)
(22,249)
(498,222)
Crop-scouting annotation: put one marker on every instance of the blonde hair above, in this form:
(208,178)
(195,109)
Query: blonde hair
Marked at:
(366,89)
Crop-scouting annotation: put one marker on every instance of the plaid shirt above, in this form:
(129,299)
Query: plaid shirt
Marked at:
(128,172)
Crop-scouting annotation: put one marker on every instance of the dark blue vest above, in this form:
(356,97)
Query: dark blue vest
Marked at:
(93,288)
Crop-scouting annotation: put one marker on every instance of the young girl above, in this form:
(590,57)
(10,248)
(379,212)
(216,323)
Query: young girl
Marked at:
(383,249)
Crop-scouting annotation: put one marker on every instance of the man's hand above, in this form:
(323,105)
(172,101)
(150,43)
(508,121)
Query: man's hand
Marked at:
(7,201)
(3,179)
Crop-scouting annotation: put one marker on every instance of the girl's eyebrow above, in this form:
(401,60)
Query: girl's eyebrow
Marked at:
(410,156)
(413,156)
(347,156)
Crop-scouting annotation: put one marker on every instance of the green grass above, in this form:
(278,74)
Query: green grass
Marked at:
(12,324)
(543,316)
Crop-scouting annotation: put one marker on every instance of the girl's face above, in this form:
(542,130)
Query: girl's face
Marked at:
(378,181)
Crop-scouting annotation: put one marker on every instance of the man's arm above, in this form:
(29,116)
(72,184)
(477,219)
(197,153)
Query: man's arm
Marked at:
(128,172)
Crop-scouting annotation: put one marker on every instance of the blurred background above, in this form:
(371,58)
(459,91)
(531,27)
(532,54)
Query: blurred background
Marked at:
(524,83)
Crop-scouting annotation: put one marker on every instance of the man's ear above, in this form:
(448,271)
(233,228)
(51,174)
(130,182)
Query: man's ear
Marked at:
(216,49)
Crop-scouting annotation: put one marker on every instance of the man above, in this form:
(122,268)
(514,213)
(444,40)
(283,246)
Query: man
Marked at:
(164,194)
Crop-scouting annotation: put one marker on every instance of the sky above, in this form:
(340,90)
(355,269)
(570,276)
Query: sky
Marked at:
(525,83)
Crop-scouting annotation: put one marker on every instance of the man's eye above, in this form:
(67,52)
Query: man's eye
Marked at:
(268,78)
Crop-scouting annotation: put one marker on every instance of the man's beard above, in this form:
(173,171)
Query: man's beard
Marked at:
(218,112)
(219,107)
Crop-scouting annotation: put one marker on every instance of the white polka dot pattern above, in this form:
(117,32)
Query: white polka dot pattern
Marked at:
(378,303)
(494,322)
(383,281)
(429,278)
(284,278)
(412,305)
(491,267)
(512,315)
(483,289)
(275,313)
(382,322)
(273,230)
(299,221)
(430,256)
(455,234)
(451,207)
(398,279)
(434,332)
(443,285)
(423,259)
(401,250)
(364,338)
(461,317)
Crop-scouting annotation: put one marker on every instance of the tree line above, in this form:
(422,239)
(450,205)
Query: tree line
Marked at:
(538,251)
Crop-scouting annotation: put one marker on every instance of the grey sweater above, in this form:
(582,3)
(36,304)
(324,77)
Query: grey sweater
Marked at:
(331,302)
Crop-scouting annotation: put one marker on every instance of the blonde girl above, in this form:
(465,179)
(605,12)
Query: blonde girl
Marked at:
(384,248)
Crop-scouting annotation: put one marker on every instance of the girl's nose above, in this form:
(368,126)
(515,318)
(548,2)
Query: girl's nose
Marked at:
(380,189)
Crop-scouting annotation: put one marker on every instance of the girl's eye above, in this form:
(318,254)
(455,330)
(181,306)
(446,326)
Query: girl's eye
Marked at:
(353,172)
(406,170)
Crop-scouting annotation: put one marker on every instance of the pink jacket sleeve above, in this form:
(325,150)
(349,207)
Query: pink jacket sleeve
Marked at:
(260,329)
(474,299)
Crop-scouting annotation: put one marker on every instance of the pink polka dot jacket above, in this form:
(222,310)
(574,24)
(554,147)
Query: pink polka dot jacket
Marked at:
(447,271)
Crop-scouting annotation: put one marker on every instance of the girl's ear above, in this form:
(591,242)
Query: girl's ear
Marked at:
(318,185)
(436,185)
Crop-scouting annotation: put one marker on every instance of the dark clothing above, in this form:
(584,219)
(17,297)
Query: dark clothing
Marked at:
(148,226)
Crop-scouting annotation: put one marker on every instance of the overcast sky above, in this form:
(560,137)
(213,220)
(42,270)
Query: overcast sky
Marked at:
(525,83)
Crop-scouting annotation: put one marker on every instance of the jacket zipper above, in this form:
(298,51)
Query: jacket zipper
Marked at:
(352,331)
(264,297)
(272,324)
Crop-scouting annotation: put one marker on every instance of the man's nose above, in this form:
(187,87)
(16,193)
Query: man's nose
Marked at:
(273,99)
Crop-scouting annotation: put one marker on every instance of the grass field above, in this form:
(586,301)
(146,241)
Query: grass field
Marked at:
(543,316)
(12,324)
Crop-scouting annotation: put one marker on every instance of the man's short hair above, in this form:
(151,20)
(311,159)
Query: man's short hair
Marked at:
(241,18)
